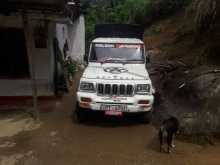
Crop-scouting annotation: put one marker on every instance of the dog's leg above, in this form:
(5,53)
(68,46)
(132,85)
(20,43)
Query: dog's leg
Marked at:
(173,144)
(161,140)
(169,142)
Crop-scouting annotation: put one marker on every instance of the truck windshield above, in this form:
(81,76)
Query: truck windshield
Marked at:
(117,53)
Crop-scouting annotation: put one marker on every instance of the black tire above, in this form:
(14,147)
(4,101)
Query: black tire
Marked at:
(79,114)
(147,117)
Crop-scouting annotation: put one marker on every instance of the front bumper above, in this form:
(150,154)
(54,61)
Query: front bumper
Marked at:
(131,102)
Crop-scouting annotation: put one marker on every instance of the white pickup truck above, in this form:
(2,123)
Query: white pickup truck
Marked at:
(115,81)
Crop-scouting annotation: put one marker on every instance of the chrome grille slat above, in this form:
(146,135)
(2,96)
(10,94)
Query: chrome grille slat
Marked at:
(122,90)
(100,88)
(129,89)
(115,89)
(107,89)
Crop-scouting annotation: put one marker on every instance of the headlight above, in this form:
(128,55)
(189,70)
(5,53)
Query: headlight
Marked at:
(87,87)
(142,89)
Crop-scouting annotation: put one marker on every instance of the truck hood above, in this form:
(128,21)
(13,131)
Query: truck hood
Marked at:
(116,72)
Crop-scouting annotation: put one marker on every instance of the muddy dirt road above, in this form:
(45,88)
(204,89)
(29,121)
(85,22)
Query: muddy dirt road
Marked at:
(57,140)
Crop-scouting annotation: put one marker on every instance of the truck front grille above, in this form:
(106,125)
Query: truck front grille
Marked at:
(115,89)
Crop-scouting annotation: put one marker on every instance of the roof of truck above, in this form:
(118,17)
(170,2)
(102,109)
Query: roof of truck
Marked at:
(118,40)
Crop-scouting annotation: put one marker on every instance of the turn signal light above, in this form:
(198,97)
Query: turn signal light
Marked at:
(86,100)
(143,102)
(84,105)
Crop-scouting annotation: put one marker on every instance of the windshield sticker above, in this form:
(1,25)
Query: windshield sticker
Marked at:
(104,45)
(128,46)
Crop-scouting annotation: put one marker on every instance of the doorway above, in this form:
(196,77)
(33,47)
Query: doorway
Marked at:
(13,54)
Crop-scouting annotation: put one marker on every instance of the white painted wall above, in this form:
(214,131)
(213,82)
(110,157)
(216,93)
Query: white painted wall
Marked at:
(62,34)
(77,39)
(44,62)
(75,36)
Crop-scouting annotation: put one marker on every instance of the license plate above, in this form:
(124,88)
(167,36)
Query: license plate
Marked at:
(115,108)
(113,113)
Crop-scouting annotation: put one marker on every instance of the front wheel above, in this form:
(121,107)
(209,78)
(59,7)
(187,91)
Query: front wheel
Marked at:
(79,114)
(147,117)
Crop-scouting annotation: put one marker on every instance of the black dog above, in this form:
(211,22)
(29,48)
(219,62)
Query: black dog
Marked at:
(167,131)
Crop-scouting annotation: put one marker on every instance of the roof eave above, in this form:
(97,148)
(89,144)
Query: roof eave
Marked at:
(62,11)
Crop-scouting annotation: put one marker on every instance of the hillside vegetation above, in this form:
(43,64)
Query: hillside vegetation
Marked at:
(185,51)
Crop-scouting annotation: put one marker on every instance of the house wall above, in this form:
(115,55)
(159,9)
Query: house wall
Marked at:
(77,39)
(74,34)
(43,63)
(11,21)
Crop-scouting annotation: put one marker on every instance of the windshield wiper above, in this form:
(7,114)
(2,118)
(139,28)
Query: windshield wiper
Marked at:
(114,59)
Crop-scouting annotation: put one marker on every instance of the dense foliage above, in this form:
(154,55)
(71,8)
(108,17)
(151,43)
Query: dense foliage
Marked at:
(206,13)
(142,12)
(207,27)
